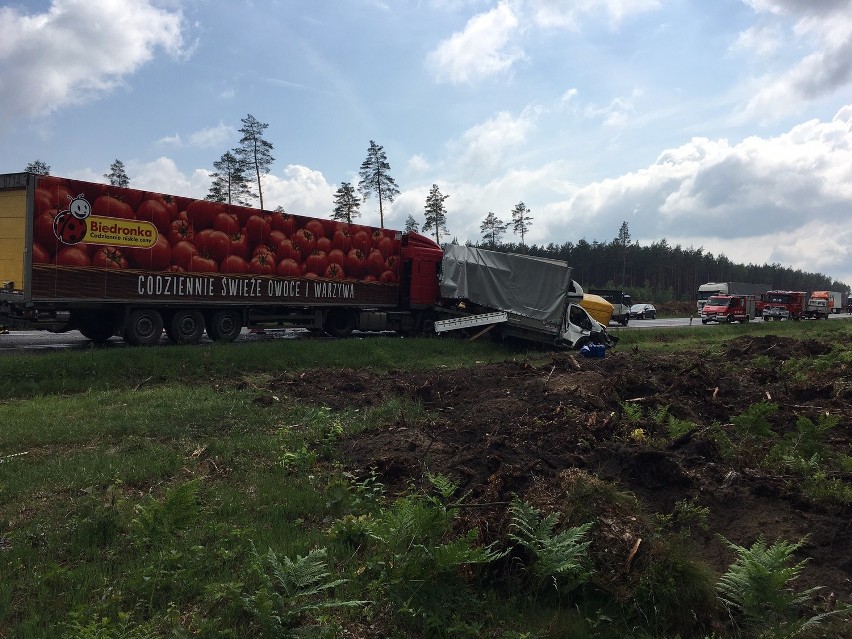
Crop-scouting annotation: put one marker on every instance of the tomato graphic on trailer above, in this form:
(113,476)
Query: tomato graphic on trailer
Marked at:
(70,226)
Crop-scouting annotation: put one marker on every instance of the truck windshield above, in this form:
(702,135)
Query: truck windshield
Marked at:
(778,299)
(718,301)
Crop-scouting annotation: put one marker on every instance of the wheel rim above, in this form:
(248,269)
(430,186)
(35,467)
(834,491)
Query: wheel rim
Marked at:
(226,324)
(186,327)
(144,328)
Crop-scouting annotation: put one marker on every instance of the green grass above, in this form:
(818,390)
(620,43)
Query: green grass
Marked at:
(129,368)
(711,337)
(139,487)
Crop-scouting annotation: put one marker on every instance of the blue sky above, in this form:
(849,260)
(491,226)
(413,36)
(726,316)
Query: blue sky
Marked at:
(722,124)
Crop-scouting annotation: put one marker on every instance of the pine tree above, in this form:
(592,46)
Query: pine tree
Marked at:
(623,242)
(436,213)
(493,228)
(411,225)
(229,181)
(254,152)
(346,203)
(376,179)
(38,167)
(117,176)
(521,220)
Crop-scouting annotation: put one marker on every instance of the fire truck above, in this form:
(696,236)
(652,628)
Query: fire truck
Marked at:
(729,308)
(778,305)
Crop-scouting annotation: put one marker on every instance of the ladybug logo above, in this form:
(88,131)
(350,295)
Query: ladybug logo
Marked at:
(70,226)
(80,208)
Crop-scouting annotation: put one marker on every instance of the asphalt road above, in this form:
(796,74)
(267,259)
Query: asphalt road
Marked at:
(42,341)
(687,321)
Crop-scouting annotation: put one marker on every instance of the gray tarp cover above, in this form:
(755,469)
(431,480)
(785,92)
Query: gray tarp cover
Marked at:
(530,286)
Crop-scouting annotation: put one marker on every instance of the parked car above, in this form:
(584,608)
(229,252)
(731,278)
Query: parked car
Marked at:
(643,311)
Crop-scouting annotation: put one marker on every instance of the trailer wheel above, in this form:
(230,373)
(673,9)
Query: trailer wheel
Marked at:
(340,323)
(186,327)
(224,326)
(144,327)
(98,327)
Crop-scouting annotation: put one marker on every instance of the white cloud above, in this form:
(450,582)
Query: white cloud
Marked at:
(824,31)
(487,46)
(171,140)
(483,49)
(484,145)
(560,14)
(418,165)
(77,50)
(213,137)
(210,138)
(302,191)
(760,40)
(816,247)
(615,114)
(455,5)
(163,176)
(568,97)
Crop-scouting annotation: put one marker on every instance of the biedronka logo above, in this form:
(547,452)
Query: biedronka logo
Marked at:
(77,223)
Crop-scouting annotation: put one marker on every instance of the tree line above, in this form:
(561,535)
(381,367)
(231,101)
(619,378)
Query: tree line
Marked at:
(662,273)
(658,272)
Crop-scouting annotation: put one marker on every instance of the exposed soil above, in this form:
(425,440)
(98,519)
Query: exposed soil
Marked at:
(542,431)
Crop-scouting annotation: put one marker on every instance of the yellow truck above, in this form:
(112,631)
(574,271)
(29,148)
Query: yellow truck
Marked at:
(597,307)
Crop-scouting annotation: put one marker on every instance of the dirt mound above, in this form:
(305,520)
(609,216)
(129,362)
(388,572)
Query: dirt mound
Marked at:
(648,424)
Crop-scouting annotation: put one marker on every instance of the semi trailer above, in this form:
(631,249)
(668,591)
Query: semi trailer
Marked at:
(110,261)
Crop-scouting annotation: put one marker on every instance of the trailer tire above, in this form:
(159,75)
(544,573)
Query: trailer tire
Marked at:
(224,326)
(185,327)
(144,327)
(98,327)
(340,323)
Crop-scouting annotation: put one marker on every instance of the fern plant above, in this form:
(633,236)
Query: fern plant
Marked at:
(423,566)
(632,412)
(290,589)
(561,556)
(755,420)
(757,589)
(413,533)
(158,520)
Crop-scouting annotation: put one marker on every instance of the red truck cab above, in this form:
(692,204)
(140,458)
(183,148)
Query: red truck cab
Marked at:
(778,305)
(729,308)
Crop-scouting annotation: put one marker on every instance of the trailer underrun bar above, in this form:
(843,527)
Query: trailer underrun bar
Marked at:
(457,323)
